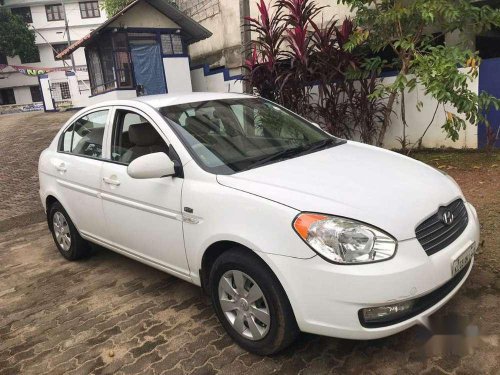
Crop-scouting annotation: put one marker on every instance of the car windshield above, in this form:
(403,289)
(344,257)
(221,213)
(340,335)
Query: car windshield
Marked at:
(232,135)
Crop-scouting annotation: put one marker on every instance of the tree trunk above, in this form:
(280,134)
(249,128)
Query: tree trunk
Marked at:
(390,103)
(387,118)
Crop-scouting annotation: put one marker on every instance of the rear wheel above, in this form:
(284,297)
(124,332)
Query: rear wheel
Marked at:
(250,303)
(67,239)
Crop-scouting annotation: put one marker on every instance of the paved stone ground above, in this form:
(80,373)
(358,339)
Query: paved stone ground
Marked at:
(23,136)
(108,314)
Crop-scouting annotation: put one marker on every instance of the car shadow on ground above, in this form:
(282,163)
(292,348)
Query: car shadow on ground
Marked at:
(449,336)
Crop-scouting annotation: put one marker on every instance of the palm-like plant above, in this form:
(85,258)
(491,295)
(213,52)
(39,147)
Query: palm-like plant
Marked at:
(266,49)
(292,54)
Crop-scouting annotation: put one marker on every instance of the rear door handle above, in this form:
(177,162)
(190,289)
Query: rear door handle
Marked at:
(61,167)
(111,181)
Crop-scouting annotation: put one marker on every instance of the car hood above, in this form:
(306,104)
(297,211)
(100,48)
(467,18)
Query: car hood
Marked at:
(365,183)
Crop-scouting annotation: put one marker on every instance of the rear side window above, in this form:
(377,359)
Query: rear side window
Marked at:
(85,136)
(66,139)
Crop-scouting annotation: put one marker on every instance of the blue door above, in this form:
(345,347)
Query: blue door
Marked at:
(148,68)
(489,81)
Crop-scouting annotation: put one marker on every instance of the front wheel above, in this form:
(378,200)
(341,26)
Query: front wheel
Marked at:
(251,303)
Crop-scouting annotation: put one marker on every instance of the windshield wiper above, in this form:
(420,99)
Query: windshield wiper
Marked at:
(319,145)
(301,150)
(277,156)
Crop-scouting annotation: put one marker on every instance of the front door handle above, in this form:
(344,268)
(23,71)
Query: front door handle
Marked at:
(111,181)
(61,167)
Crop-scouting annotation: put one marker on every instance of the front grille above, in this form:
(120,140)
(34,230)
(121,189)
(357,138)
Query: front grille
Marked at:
(420,304)
(434,235)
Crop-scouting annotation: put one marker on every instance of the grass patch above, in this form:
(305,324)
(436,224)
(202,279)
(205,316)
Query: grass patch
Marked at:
(458,159)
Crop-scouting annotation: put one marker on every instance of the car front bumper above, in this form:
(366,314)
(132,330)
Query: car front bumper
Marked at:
(326,298)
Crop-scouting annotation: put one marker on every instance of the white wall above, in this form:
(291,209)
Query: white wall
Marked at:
(177,74)
(72,12)
(223,19)
(143,15)
(214,82)
(419,120)
(23,95)
(331,9)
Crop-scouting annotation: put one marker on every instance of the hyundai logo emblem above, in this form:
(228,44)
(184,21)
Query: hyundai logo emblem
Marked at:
(447,217)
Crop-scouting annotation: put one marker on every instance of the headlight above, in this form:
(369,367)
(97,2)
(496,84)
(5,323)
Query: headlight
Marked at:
(344,241)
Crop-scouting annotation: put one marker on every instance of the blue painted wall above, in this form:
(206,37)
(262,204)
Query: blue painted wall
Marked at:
(489,81)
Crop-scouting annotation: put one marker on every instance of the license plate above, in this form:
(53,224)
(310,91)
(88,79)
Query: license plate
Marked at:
(463,259)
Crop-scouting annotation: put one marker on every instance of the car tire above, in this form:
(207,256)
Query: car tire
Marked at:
(66,237)
(240,312)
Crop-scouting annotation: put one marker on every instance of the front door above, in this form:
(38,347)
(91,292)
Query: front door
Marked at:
(148,66)
(143,216)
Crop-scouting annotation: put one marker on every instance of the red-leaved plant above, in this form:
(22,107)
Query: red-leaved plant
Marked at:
(292,54)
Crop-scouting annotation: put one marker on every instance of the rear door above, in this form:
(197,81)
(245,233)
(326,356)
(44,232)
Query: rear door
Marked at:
(77,166)
(143,215)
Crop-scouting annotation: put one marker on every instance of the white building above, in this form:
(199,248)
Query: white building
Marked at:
(141,50)
(47,18)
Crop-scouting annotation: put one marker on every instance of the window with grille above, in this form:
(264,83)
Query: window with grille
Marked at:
(54,12)
(109,63)
(60,91)
(58,48)
(24,13)
(95,70)
(89,9)
(171,44)
(65,94)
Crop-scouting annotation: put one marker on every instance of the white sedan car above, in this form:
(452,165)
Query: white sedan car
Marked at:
(286,227)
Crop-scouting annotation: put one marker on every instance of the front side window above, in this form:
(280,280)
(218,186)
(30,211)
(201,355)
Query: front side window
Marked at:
(85,136)
(89,9)
(134,136)
(232,135)
(55,12)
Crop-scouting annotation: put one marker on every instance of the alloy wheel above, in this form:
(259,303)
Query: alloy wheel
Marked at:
(61,231)
(244,305)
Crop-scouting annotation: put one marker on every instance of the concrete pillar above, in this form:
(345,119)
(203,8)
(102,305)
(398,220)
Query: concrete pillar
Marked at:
(48,103)
(73,88)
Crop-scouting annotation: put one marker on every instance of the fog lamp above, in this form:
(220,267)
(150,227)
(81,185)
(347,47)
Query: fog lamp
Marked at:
(384,313)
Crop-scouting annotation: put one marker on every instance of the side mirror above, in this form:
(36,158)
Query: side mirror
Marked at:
(154,165)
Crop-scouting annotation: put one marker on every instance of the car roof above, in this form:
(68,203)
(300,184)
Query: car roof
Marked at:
(164,100)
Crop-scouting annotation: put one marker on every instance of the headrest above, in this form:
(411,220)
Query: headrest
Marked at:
(95,136)
(143,134)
